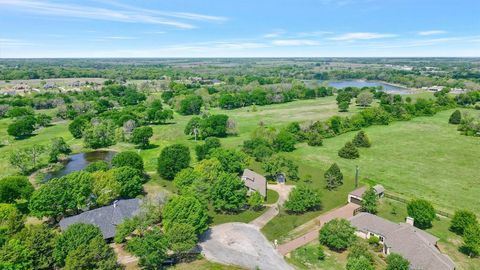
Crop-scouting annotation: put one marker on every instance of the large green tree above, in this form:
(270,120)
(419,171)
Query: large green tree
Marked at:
(370,201)
(302,199)
(11,221)
(151,248)
(232,160)
(13,188)
(100,134)
(423,213)
(173,159)
(185,210)
(337,234)
(141,136)
(22,127)
(461,220)
(52,199)
(471,240)
(228,193)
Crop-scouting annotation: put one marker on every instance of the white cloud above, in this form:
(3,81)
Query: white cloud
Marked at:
(361,36)
(12,43)
(431,32)
(295,42)
(123,13)
(119,37)
(274,34)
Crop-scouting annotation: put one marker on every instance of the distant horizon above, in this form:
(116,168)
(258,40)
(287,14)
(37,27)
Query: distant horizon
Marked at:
(243,29)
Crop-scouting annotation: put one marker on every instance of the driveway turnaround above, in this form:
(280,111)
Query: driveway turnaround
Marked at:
(242,245)
(342,212)
(283,191)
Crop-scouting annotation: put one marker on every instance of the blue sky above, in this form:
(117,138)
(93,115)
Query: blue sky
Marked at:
(241,28)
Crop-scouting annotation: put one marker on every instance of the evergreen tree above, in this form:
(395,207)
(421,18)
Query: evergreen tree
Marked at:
(361,140)
(333,177)
(349,151)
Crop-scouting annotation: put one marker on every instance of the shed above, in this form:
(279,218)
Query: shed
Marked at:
(356,195)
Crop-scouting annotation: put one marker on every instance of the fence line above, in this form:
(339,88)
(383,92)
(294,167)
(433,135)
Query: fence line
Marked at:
(403,200)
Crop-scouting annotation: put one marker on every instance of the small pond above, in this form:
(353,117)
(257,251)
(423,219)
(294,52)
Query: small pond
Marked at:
(79,161)
(359,83)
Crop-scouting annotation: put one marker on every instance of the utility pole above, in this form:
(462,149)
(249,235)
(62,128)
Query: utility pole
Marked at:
(356,176)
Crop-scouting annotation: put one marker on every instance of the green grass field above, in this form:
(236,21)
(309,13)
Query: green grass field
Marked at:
(425,157)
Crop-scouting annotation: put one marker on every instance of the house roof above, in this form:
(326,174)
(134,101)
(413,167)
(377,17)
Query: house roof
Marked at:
(358,192)
(379,189)
(417,246)
(107,217)
(255,181)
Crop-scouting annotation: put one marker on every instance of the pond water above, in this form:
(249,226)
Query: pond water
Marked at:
(386,87)
(78,162)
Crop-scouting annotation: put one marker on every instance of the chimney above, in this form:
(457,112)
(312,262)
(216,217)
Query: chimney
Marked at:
(115,203)
(409,220)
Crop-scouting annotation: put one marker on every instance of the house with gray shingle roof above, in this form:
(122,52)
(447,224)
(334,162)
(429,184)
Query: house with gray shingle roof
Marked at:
(417,246)
(255,182)
(107,217)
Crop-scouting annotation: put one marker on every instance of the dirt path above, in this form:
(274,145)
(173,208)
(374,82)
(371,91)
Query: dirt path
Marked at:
(342,212)
(283,191)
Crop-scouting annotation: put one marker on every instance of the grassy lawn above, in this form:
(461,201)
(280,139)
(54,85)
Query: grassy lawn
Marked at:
(272,196)
(306,258)
(245,216)
(449,242)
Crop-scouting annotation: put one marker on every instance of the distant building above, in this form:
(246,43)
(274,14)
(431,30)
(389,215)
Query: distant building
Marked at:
(255,182)
(49,85)
(417,246)
(356,195)
(106,218)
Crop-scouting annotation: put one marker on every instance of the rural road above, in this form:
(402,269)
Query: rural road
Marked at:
(342,212)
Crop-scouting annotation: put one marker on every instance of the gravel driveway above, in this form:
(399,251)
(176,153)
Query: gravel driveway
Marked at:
(243,245)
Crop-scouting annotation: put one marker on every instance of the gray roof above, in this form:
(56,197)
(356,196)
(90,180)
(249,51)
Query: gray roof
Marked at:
(255,181)
(379,189)
(107,217)
(417,246)
(358,192)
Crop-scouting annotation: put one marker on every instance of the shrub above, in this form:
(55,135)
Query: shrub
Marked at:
(151,248)
(255,201)
(349,151)
(360,249)
(397,262)
(369,201)
(361,140)
(360,263)
(337,234)
(461,220)
(471,240)
(182,238)
(100,165)
(173,159)
(314,139)
(423,213)
(284,141)
(302,199)
(128,158)
(320,253)
(455,118)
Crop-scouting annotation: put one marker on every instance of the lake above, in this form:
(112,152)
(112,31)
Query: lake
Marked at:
(79,161)
(358,83)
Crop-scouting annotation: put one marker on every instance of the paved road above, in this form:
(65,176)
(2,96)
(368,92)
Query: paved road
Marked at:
(342,212)
(242,245)
(283,191)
